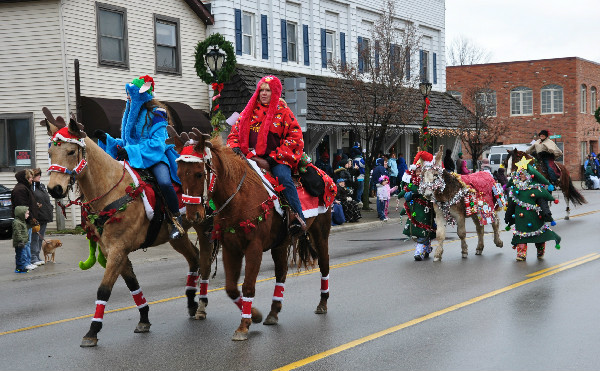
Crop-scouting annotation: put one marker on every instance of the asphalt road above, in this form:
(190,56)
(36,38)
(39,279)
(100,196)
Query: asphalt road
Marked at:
(386,311)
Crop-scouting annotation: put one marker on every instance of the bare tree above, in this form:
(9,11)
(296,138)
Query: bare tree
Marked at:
(378,92)
(463,51)
(479,127)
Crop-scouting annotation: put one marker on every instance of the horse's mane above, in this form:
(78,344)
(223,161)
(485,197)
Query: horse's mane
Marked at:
(453,185)
(232,166)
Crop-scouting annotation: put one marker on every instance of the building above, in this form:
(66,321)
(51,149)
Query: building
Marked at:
(297,39)
(114,41)
(559,95)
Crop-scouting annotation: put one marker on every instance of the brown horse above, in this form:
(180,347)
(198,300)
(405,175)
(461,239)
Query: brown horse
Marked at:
(564,182)
(447,192)
(103,182)
(245,223)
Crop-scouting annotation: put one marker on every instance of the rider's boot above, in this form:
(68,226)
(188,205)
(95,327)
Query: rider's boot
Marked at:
(175,229)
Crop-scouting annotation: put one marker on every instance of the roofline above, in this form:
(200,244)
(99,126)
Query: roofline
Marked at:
(525,61)
(201,11)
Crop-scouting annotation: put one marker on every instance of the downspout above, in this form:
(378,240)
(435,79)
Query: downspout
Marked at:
(63,48)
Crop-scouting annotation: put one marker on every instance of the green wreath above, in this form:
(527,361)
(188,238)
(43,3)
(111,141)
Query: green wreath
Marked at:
(597,115)
(225,72)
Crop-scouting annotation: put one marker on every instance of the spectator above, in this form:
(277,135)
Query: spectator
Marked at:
(359,162)
(485,165)
(350,206)
(393,169)
(401,163)
(379,170)
(45,215)
(324,165)
(22,195)
(501,177)
(20,237)
(448,162)
(383,197)
(461,165)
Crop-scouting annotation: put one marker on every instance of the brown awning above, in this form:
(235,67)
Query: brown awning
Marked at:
(105,114)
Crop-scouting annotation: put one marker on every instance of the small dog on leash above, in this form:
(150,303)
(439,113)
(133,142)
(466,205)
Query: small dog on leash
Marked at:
(49,247)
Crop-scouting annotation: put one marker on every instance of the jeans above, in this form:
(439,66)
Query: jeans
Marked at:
(163,178)
(381,209)
(360,187)
(27,249)
(284,175)
(551,173)
(36,243)
(20,258)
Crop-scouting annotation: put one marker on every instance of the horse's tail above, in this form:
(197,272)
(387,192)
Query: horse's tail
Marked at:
(306,252)
(575,196)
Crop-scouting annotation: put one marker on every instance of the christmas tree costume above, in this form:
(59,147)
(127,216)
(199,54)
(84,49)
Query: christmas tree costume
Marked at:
(528,210)
(420,223)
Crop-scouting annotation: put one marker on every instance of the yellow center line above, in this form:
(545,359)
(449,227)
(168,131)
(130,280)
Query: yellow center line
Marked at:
(435,314)
(559,265)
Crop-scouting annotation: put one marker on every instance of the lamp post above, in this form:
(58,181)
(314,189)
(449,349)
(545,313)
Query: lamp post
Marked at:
(425,88)
(214,60)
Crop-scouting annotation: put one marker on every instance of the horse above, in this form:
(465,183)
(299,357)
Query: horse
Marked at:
(565,183)
(106,192)
(246,225)
(448,192)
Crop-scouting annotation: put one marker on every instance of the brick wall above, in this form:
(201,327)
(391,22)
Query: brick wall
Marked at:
(570,73)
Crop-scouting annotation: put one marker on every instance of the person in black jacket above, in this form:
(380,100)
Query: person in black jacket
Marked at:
(22,195)
(45,215)
(448,162)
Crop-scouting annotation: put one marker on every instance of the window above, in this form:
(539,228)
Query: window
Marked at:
(561,146)
(330,45)
(583,98)
(366,55)
(521,101)
(455,94)
(168,51)
(292,42)
(424,65)
(593,99)
(486,103)
(112,35)
(16,147)
(552,99)
(247,33)
(584,152)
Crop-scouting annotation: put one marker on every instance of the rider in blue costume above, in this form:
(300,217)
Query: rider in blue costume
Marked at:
(144,131)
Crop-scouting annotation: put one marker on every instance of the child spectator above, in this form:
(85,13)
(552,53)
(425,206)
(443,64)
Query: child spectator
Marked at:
(20,237)
(383,197)
(350,206)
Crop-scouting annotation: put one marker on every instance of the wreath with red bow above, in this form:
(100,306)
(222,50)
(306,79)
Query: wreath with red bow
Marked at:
(225,72)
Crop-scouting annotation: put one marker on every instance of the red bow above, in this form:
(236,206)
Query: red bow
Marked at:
(217,232)
(247,225)
(217,86)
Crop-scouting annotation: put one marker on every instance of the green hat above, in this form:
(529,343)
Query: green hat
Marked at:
(460,154)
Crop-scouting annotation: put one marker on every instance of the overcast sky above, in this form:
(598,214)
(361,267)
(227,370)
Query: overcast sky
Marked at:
(517,30)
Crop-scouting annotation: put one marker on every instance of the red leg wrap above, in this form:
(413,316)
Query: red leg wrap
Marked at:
(203,288)
(99,314)
(192,281)
(238,302)
(325,284)
(278,292)
(247,307)
(138,298)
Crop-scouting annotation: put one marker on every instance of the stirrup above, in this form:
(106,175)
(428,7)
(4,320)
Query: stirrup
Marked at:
(175,230)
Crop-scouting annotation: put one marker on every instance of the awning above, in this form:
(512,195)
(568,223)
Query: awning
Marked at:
(105,114)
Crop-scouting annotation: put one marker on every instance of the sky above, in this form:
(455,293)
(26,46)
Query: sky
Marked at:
(518,30)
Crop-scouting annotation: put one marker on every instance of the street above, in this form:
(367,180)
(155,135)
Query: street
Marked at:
(386,311)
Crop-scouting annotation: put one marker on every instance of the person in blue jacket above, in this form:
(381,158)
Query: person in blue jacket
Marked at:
(142,143)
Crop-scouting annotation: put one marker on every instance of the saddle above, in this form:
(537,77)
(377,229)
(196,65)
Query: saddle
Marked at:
(542,163)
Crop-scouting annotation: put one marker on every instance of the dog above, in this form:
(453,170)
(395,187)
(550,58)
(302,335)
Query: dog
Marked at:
(49,247)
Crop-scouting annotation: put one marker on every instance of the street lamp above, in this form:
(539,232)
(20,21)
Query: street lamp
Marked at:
(214,60)
(425,88)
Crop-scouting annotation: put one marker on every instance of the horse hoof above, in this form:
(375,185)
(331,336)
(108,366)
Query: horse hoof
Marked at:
(567,217)
(478,252)
(271,320)
(89,342)
(500,244)
(201,311)
(321,309)
(465,255)
(240,336)
(256,316)
(142,327)
(436,259)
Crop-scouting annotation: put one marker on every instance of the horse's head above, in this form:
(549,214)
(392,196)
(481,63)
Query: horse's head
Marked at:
(432,179)
(513,157)
(193,166)
(66,150)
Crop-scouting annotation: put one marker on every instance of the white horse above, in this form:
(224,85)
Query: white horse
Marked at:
(447,191)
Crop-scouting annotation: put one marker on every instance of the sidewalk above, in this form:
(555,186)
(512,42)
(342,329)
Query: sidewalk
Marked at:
(369,217)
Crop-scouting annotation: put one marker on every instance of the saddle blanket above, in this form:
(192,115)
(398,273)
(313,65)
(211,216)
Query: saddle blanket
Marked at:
(149,196)
(482,182)
(311,206)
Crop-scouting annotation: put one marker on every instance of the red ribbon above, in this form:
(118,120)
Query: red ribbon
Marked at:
(217,86)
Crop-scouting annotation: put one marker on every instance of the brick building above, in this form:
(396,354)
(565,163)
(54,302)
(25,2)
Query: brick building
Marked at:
(559,95)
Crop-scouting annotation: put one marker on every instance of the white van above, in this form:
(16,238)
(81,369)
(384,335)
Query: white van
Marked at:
(499,153)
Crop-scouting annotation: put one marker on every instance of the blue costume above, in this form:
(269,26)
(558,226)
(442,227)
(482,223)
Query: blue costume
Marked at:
(143,138)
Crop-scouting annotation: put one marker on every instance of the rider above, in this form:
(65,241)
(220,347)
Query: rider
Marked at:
(143,131)
(547,152)
(268,131)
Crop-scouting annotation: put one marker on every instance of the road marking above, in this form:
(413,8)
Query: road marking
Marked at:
(354,343)
(560,265)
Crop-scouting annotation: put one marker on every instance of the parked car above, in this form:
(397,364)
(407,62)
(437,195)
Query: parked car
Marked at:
(6,217)
(499,153)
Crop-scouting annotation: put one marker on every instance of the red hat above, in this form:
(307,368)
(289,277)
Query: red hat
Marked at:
(423,156)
